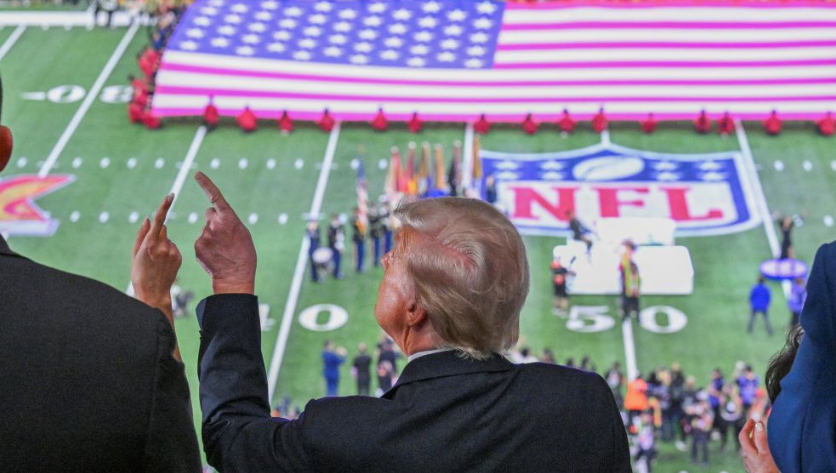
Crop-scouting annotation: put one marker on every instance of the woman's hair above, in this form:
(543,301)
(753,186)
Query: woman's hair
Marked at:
(781,363)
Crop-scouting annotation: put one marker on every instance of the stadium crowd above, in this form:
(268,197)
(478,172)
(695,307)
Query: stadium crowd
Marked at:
(665,405)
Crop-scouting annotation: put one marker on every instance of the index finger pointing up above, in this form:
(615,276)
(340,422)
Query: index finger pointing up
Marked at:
(211,191)
(160,216)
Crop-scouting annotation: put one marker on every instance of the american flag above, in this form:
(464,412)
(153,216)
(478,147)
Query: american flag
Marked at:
(362,195)
(453,60)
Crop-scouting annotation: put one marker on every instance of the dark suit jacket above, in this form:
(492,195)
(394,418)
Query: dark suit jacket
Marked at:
(87,378)
(802,427)
(445,413)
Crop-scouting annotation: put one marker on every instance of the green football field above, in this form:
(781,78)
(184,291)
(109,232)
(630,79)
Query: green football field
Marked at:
(64,100)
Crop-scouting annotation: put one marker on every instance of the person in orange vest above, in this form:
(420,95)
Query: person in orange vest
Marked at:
(379,122)
(482,125)
(599,121)
(151,121)
(529,125)
(211,116)
(702,124)
(566,123)
(772,125)
(135,112)
(326,122)
(635,402)
(415,125)
(826,126)
(247,120)
(285,123)
(725,125)
(649,124)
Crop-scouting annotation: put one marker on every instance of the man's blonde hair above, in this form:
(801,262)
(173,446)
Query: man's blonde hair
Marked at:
(470,271)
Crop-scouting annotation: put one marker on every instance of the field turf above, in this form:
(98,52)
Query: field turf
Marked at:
(272,179)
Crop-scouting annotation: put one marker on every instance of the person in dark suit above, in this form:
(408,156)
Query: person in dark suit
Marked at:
(802,426)
(361,369)
(458,405)
(90,379)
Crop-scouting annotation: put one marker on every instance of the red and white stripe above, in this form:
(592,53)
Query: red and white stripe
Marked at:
(672,59)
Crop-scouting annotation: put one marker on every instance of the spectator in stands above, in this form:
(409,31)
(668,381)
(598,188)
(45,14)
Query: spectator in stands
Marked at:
(759,299)
(92,379)
(361,369)
(332,359)
(452,317)
(801,428)
(798,296)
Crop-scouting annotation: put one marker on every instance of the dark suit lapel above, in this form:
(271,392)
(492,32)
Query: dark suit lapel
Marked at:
(4,248)
(448,363)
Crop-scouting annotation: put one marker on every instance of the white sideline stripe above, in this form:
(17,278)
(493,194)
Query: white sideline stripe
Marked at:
(11,40)
(629,348)
(180,180)
(760,197)
(88,101)
(301,263)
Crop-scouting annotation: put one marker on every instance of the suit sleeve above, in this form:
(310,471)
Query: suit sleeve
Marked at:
(802,436)
(238,433)
(171,445)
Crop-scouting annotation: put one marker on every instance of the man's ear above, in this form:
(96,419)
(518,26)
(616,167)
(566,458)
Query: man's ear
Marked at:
(415,314)
(5,147)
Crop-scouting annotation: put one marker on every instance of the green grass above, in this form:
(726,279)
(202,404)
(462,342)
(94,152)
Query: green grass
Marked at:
(725,266)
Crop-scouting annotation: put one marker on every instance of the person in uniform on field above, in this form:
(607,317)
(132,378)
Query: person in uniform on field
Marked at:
(359,238)
(312,234)
(376,233)
(630,282)
(336,241)
(561,296)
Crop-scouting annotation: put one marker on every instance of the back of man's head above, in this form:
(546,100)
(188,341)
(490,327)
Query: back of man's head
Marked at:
(470,270)
(5,135)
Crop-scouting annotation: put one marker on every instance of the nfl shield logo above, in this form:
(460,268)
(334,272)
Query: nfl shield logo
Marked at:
(705,194)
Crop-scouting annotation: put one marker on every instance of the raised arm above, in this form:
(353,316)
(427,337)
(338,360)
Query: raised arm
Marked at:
(238,433)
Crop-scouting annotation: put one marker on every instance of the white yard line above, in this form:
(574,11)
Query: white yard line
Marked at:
(182,175)
(629,348)
(92,94)
(301,264)
(11,40)
(760,197)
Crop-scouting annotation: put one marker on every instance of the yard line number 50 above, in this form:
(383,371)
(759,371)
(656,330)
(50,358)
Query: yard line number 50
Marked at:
(591,319)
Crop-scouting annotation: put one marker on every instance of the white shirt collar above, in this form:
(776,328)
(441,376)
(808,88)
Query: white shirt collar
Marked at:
(419,354)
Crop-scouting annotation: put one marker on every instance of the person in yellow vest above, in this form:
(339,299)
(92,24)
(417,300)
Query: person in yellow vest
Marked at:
(630,282)
(636,400)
